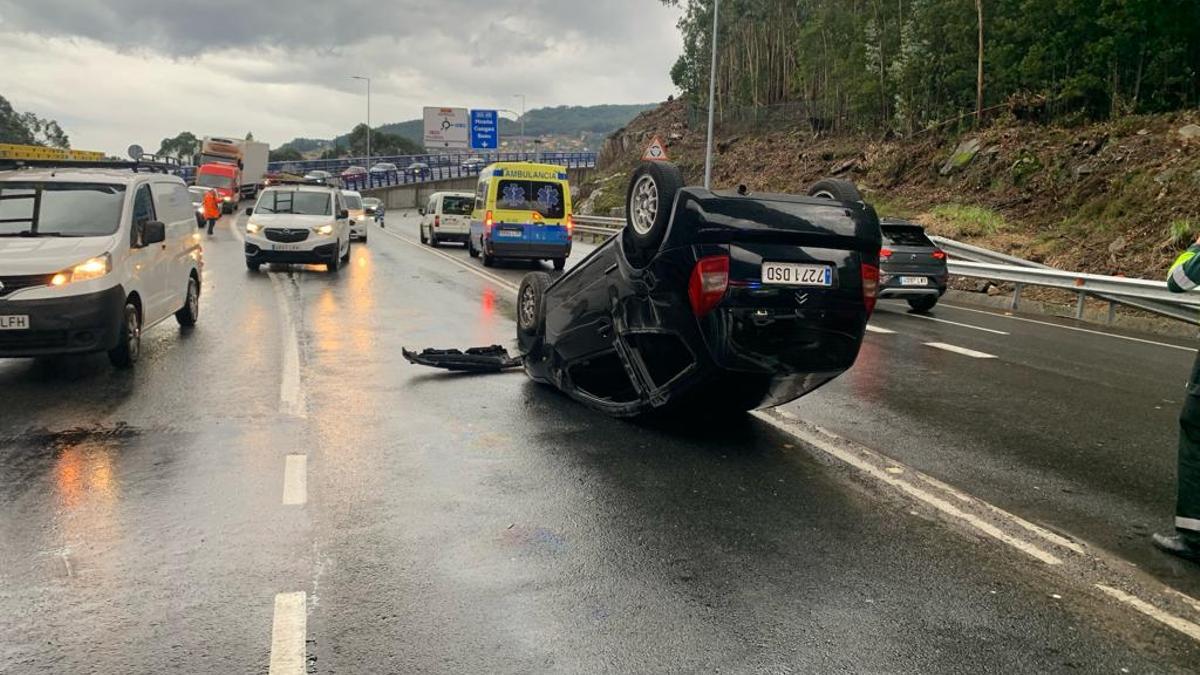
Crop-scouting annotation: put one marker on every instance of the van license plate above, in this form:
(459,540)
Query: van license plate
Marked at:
(914,281)
(795,274)
(285,247)
(14,322)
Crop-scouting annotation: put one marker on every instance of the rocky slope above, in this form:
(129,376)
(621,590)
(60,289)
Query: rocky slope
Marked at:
(1120,197)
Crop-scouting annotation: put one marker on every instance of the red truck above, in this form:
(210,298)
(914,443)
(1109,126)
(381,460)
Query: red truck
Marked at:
(233,167)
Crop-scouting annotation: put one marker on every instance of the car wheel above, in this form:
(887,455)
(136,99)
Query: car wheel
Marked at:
(923,303)
(648,204)
(346,255)
(129,342)
(190,312)
(560,264)
(531,303)
(252,266)
(838,190)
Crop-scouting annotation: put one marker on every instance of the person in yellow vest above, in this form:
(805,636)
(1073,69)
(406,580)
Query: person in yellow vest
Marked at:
(1185,542)
(212,209)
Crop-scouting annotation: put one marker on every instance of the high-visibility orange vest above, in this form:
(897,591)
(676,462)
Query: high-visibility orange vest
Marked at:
(212,208)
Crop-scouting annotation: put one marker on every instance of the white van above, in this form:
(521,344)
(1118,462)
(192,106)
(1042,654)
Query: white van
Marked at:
(447,217)
(92,257)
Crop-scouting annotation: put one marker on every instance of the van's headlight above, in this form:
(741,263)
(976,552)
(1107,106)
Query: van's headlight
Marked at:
(92,268)
(225,198)
(324,230)
(252,228)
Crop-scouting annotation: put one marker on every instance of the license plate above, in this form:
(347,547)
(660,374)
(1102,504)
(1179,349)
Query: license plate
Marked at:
(285,247)
(795,274)
(509,233)
(914,281)
(14,322)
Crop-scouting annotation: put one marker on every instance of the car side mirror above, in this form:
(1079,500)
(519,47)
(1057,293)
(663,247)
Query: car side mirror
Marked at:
(153,232)
(343,214)
(250,211)
(421,211)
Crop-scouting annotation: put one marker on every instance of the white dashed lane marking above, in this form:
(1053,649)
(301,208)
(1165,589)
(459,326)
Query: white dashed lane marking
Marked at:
(288,633)
(295,480)
(881,331)
(956,323)
(960,350)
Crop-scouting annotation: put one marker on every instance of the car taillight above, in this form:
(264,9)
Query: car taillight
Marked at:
(570,224)
(939,254)
(870,285)
(885,253)
(437,221)
(710,279)
(488,221)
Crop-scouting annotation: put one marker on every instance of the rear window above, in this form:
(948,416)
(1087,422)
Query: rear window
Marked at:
(905,235)
(458,206)
(294,202)
(531,195)
(62,209)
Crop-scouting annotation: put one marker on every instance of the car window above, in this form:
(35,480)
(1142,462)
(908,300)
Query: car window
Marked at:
(143,205)
(905,235)
(481,194)
(530,195)
(457,206)
(352,201)
(60,209)
(294,202)
(172,202)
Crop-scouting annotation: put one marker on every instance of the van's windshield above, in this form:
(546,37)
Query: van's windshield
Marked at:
(458,206)
(60,209)
(352,201)
(294,202)
(526,195)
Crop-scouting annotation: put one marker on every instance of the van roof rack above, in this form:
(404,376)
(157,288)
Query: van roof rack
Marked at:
(149,164)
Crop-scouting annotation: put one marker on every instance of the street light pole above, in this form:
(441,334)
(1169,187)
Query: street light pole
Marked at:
(522,97)
(712,95)
(368,80)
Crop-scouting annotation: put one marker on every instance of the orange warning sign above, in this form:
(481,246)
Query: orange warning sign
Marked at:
(656,151)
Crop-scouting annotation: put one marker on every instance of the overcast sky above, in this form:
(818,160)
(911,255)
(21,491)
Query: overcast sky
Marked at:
(116,72)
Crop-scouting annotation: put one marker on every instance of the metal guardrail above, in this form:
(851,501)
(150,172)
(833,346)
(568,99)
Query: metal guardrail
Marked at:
(1118,290)
(970,261)
(571,160)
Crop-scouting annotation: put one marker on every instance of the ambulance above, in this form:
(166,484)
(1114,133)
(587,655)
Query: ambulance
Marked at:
(522,211)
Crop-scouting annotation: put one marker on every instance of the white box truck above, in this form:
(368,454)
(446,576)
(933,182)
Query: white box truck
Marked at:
(234,167)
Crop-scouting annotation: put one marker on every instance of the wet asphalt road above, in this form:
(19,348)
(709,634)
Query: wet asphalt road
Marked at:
(485,524)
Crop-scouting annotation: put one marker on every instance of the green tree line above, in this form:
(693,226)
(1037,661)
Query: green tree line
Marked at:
(28,129)
(908,64)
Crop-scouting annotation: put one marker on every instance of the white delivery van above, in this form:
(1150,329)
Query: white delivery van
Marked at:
(447,217)
(92,254)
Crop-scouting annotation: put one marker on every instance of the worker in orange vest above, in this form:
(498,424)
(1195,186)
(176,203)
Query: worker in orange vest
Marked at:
(212,209)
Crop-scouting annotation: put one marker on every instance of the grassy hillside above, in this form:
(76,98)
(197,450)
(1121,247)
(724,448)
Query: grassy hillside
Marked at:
(1119,197)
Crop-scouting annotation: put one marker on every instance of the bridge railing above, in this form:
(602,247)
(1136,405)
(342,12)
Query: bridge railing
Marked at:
(572,160)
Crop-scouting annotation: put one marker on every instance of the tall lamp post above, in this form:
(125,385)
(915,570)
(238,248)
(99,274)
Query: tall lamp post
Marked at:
(712,95)
(522,97)
(368,81)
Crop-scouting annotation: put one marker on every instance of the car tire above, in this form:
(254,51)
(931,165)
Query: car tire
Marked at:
(346,255)
(252,266)
(129,340)
(838,190)
(922,303)
(531,304)
(649,201)
(190,312)
(363,238)
(560,264)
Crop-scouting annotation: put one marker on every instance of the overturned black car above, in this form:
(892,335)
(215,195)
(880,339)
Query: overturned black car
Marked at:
(704,301)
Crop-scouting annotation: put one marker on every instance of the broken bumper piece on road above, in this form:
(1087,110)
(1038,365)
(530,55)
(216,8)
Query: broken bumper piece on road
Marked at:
(491,359)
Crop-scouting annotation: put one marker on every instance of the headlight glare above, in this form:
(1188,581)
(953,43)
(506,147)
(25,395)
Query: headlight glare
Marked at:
(92,268)
(325,230)
(252,228)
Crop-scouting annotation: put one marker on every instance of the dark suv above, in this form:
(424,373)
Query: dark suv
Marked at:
(911,266)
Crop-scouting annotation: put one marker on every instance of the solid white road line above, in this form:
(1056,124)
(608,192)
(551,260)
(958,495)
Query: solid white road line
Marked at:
(956,323)
(1184,626)
(295,480)
(495,279)
(960,350)
(1074,328)
(291,396)
(288,632)
(902,484)
(881,331)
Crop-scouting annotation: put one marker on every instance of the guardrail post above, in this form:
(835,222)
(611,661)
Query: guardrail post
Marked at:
(1079,305)
(1016,299)
(1112,311)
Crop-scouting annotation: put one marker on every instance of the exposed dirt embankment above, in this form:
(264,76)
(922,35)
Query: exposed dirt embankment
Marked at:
(1120,197)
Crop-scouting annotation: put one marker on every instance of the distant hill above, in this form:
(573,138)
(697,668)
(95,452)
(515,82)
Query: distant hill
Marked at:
(598,120)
